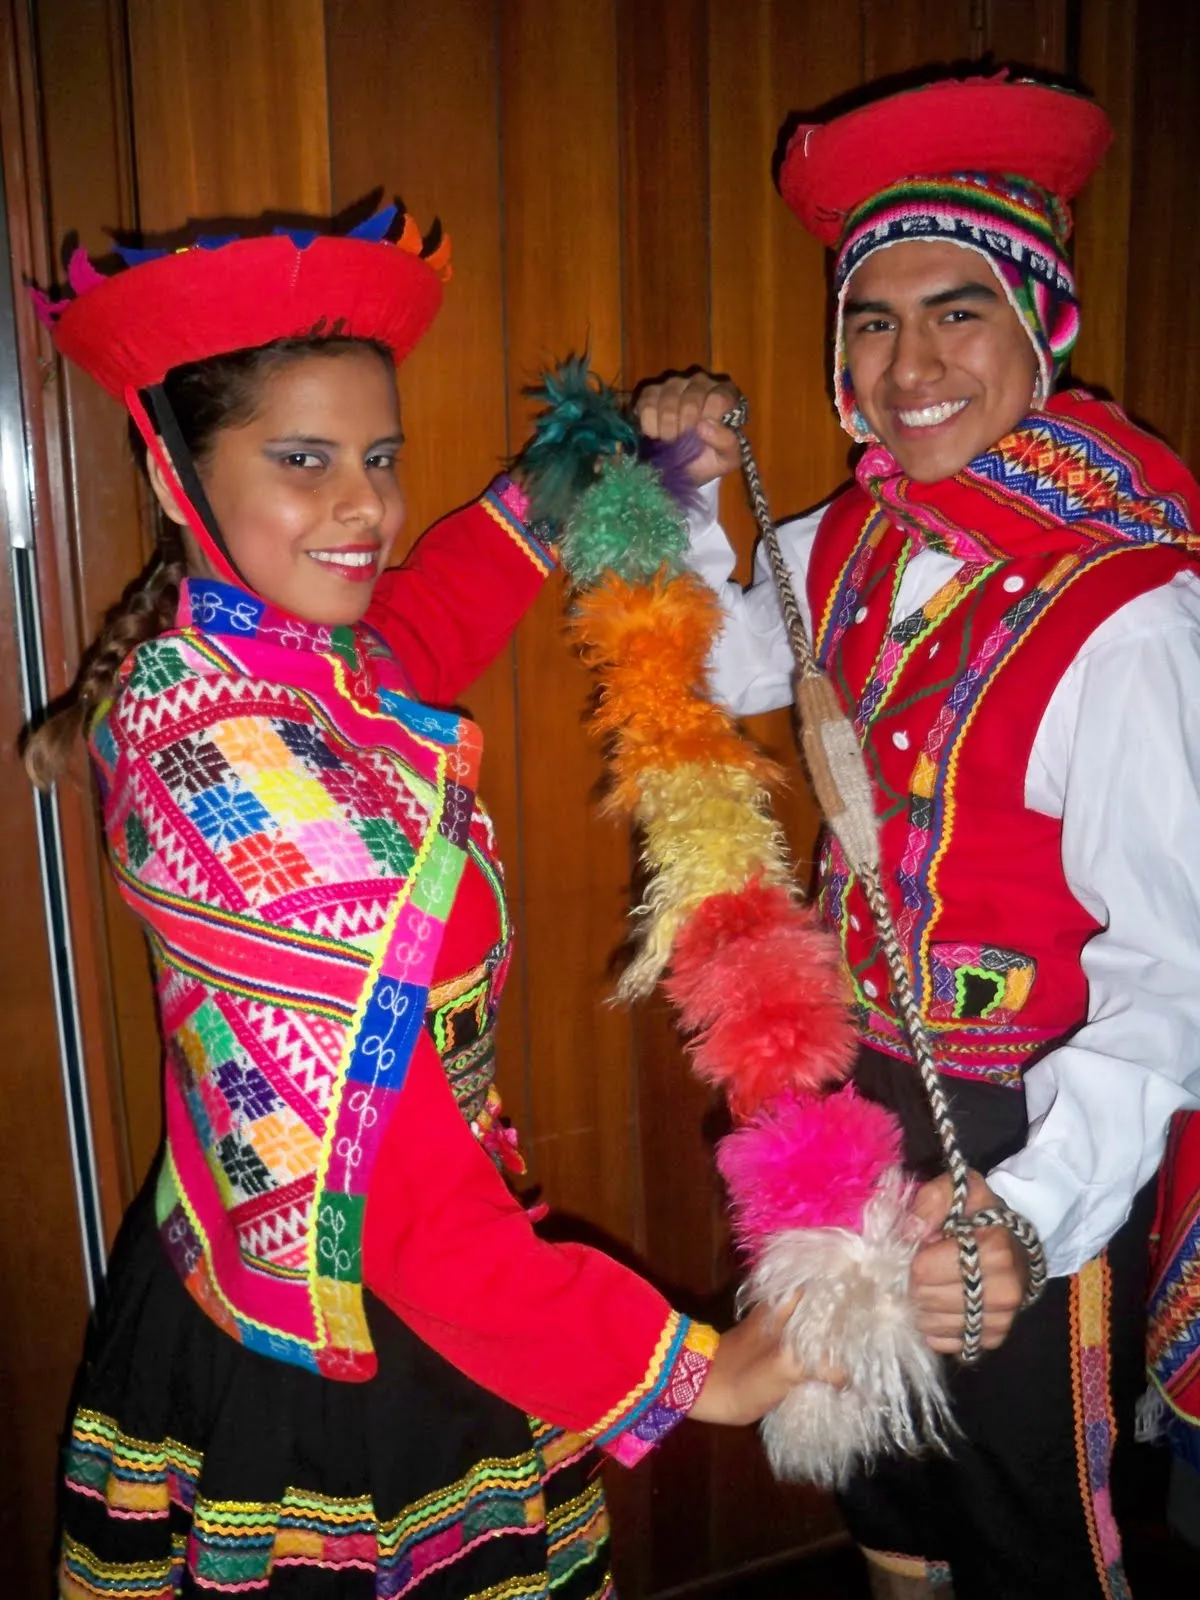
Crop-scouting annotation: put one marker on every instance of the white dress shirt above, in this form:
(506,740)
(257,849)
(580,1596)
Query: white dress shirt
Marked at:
(1117,758)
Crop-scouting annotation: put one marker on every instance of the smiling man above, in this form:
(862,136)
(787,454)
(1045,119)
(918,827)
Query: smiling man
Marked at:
(1008,603)
(942,364)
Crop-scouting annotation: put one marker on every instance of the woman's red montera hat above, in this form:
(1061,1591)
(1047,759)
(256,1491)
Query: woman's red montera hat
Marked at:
(170,307)
(989,125)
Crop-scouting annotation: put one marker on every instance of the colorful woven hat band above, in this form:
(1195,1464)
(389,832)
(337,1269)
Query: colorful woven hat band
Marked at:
(1019,229)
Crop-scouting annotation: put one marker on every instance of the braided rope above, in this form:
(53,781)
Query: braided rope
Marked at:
(843,791)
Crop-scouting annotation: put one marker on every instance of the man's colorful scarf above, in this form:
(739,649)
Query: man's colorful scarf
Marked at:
(1077,472)
(1019,230)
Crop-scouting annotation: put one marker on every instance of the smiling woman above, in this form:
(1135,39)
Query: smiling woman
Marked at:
(331,1340)
(305,489)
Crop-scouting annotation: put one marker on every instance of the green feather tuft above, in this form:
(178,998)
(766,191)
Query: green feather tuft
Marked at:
(626,523)
(582,423)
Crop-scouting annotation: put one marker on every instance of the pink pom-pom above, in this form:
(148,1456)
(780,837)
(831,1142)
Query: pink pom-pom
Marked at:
(806,1161)
(759,985)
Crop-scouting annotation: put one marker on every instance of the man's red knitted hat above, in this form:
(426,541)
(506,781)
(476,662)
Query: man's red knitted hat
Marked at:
(1050,137)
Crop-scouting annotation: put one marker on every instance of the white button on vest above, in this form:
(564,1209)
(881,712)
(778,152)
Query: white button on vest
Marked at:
(854,922)
(861,614)
(869,988)
(933,649)
(1014,583)
(900,739)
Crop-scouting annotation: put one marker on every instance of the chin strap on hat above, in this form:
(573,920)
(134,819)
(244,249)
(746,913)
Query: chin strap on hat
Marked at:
(165,442)
(842,787)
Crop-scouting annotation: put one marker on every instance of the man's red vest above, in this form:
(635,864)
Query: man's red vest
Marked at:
(948,702)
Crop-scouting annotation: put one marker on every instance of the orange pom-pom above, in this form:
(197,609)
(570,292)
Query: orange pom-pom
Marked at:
(649,644)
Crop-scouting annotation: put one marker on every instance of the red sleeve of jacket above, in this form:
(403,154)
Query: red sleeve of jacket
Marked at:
(563,1332)
(451,608)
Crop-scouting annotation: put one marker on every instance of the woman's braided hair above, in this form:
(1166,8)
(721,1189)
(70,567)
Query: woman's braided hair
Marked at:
(145,609)
(206,396)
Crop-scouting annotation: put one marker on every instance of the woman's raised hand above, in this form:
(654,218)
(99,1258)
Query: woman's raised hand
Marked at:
(682,401)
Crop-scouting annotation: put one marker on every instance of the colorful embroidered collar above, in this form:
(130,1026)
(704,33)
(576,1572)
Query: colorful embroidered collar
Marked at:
(1079,471)
(225,608)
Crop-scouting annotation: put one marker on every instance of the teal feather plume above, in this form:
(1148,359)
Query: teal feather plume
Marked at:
(581,423)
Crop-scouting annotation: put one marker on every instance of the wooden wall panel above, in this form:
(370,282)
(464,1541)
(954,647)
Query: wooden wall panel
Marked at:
(665,288)
(41,1267)
(664,66)
(41,1260)
(900,35)
(48,479)
(559,138)
(1102,214)
(106,531)
(229,108)
(769,331)
(769,285)
(1032,33)
(663,89)
(1162,354)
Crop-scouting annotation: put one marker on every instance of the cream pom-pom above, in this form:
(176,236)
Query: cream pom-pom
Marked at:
(855,1317)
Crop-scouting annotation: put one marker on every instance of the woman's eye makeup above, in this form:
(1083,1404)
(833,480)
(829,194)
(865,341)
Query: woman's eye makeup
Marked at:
(313,458)
(308,459)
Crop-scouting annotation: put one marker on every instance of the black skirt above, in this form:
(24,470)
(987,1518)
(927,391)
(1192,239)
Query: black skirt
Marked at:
(194,1466)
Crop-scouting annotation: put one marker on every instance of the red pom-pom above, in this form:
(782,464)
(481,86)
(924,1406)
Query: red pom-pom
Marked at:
(806,1161)
(759,985)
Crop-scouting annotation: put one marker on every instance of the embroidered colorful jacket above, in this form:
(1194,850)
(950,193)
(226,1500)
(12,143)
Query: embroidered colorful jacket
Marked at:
(1056,529)
(291,819)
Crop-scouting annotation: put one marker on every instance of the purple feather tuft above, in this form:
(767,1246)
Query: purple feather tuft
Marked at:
(671,458)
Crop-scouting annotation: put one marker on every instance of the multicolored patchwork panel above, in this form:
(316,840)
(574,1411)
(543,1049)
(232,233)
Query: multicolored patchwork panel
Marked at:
(292,829)
(979,980)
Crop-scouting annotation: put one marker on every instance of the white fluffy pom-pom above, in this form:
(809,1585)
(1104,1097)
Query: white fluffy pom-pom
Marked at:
(855,1316)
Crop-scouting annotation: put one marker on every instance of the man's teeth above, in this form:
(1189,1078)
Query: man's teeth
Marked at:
(344,558)
(930,416)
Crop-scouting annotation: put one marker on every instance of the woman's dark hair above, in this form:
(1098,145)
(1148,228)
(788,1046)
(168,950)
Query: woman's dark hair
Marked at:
(205,396)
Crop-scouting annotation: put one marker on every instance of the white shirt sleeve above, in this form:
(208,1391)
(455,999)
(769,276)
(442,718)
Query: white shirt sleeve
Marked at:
(1117,757)
(751,667)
